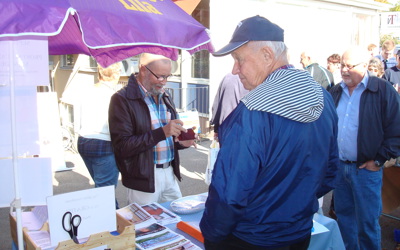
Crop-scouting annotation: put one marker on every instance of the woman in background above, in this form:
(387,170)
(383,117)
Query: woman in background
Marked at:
(94,142)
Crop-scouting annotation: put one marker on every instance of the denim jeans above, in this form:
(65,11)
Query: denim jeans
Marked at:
(358,205)
(103,170)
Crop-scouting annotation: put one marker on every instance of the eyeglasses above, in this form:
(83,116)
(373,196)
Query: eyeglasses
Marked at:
(349,67)
(160,78)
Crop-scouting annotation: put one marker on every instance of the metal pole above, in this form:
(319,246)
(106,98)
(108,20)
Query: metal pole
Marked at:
(17,200)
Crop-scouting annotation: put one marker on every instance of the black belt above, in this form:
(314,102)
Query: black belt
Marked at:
(349,162)
(165,165)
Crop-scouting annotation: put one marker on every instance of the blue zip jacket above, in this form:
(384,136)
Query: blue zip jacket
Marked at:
(379,121)
(269,174)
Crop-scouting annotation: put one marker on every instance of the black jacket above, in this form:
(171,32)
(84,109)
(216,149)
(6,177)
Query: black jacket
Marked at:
(132,137)
(379,121)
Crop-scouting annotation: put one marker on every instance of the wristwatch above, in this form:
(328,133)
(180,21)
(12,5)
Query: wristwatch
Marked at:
(378,164)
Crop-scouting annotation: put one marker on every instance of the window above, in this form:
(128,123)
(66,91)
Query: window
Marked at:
(200,64)
(67,61)
(200,60)
(92,62)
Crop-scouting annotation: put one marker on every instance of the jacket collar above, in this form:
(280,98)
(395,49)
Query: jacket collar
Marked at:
(373,82)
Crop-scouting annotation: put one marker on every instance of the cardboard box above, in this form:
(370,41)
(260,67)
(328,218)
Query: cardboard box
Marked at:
(125,239)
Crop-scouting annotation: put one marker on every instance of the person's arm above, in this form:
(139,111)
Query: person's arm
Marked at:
(328,182)
(234,175)
(391,121)
(122,127)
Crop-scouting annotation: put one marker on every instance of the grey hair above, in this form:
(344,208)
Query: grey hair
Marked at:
(279,48)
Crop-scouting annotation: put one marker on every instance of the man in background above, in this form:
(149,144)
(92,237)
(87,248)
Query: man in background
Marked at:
(387,54)
(369,116)
(94,141)
(144,127)
(393,74)
(319,73)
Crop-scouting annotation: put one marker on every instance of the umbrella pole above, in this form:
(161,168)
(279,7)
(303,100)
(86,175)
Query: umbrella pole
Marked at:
(17,200)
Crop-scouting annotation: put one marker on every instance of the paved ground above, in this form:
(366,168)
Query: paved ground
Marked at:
(193,166)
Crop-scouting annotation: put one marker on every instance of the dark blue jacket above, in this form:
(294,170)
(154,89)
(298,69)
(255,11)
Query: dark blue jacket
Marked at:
(379,121)
(269,174)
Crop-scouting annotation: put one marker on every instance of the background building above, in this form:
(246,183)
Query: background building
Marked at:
(327,26)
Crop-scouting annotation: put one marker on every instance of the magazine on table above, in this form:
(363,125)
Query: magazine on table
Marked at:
(162,215)
(150,230)
(135,214)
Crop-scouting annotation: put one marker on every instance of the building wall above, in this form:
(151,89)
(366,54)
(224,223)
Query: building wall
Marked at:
(327,27)
(324,25)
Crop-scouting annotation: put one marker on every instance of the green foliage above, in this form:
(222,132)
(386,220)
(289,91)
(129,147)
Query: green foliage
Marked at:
(396,7)
(385,37)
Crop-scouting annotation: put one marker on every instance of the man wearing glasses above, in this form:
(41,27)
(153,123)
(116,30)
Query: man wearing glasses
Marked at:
(144,127)
(369,115)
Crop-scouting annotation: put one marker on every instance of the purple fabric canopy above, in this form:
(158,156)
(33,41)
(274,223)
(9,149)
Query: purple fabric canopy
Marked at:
(108,30)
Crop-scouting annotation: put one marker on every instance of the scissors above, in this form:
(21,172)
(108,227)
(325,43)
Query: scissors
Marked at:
(70,224)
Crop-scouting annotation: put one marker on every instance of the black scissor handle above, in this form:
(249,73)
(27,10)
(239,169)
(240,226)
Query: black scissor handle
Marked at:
(66,223)
(75,222)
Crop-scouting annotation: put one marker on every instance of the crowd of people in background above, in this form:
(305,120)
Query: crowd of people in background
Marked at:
(360,82)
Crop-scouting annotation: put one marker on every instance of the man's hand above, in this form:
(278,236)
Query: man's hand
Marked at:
(173,128)
(370,165)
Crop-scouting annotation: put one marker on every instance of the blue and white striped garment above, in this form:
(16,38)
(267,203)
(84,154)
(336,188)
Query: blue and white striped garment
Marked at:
(290,93)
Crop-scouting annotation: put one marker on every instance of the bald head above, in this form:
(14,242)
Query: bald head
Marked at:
(147,59)
(358,54)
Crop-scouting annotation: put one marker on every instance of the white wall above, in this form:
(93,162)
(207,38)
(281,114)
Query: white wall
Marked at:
(326,26)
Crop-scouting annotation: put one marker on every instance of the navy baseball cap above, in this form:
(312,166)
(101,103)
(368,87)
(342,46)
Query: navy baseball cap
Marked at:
(254,28)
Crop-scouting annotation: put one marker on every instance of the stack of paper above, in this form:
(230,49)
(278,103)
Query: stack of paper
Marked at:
(150,230)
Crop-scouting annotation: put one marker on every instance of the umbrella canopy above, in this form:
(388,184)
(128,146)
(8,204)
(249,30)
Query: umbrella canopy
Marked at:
(108,30)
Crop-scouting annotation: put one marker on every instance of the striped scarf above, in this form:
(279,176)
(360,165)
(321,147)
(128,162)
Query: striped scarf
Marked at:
(290,93)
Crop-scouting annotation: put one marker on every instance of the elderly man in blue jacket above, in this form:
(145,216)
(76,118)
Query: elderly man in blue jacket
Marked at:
(368,108)
(278,153)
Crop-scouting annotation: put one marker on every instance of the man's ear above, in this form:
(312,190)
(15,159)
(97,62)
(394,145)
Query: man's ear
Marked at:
(268,54)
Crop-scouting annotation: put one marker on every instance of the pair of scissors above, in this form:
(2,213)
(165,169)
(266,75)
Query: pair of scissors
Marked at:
(70,224)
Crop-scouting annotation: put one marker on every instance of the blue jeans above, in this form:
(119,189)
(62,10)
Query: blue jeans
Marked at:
(358,205)
(103,170)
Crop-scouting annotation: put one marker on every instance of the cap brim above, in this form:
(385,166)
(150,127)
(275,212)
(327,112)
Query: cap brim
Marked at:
(229,48)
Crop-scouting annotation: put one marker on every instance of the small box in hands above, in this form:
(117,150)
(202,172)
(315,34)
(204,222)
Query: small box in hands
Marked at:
(189,135)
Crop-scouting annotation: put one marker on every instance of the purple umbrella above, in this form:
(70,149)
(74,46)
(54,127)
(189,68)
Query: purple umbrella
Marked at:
(108,30)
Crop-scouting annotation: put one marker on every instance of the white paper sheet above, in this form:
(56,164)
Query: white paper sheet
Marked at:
(96,207)
(35,181)
(50,141)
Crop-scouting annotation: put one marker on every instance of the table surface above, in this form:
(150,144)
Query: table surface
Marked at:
(328,240)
